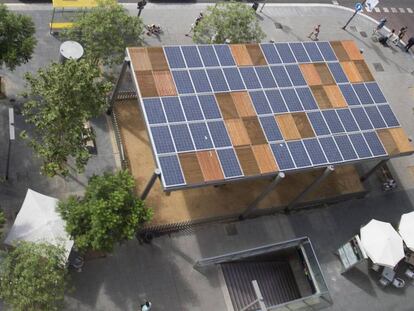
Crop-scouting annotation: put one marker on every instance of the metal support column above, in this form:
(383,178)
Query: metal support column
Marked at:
(154,177)
(114,95)
(372,170)
(328,170)
(265,192)
(259,299)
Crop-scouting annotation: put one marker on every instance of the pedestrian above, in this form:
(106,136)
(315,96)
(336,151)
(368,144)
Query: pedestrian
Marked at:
(146,306)
(196,22)
(409,44)
(315,32)
(255,5)
(402,32)
(140,6)
(380,25)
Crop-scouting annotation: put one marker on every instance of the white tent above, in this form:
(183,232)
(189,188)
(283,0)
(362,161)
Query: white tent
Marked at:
(406,229)
(382,243)
(38,221)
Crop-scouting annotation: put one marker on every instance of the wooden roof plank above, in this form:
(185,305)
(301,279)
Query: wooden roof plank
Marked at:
(210,165)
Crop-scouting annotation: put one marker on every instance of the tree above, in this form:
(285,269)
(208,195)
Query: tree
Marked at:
(108,213)
(232,22)
(17,40)
(106,31)
(62,98)
(33,277)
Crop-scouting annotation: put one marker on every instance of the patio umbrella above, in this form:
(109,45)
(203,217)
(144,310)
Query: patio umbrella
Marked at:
(382,243)
(406,229)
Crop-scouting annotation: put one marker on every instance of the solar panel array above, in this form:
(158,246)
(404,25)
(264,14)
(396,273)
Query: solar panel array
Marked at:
(225,112)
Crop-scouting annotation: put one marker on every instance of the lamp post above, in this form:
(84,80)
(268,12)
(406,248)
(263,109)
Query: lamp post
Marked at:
(11,138)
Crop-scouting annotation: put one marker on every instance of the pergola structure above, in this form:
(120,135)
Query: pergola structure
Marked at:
(217,114)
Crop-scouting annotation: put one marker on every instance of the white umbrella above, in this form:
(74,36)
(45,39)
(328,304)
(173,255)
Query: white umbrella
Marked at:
(38,221)
(406,229)
(382,243)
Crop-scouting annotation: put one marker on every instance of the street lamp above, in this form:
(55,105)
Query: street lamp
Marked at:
(11,138)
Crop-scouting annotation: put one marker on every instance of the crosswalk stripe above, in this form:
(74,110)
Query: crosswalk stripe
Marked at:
(409,10)
(377,10)
(401,10)
(393,10)
(385,10)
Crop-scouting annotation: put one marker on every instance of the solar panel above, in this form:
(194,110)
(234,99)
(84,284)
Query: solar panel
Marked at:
(282,156)
(270,128)
(281,76)
(315,151)
(270,53)
(292,100)
(209,106)
(191,56)
(295,75)
(183,82)
(260,102)
(276,101)
(173,109)
(162,139)
(154,111)
(201,136)
(388,115)
(208,55)
(335,125)
(299,52)
(349,94)
(174,57)
(306,97)
(375,117)
(361,118)
(250,78)
(191,107)
(375,92)
(266,77)
(346,148)
(285,53)
(229,163)
(171,170)
(200,80)
(219,134)
(313,51)
(182,137)
(338,72)
(363,94)
(224,55)
(347,120)
(360,145)
(374,143)
(298,152)
(234,78)
(331,149)
(318,123)
(217,80)
(326,50)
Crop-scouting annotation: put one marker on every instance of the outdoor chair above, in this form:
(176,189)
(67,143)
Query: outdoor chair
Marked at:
(398,283)
(384,282)
(409,273)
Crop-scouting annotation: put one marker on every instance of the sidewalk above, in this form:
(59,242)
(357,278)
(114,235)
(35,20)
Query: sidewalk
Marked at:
(163,272)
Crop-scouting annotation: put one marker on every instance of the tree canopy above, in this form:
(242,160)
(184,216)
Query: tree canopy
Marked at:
(232,22)
(105,31)
(17,40)
(33,277)
(62,98)
(109,212)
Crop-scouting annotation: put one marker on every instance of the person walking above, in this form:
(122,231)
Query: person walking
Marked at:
(402,32)
(140,6)
(409,44)
(380,25)
(196,22)
(315,33)
(146,306)
(255,5)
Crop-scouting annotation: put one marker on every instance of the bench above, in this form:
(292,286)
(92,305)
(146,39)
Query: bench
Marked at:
(59,26)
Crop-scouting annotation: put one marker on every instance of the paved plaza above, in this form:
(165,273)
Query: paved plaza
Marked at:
(163,271)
